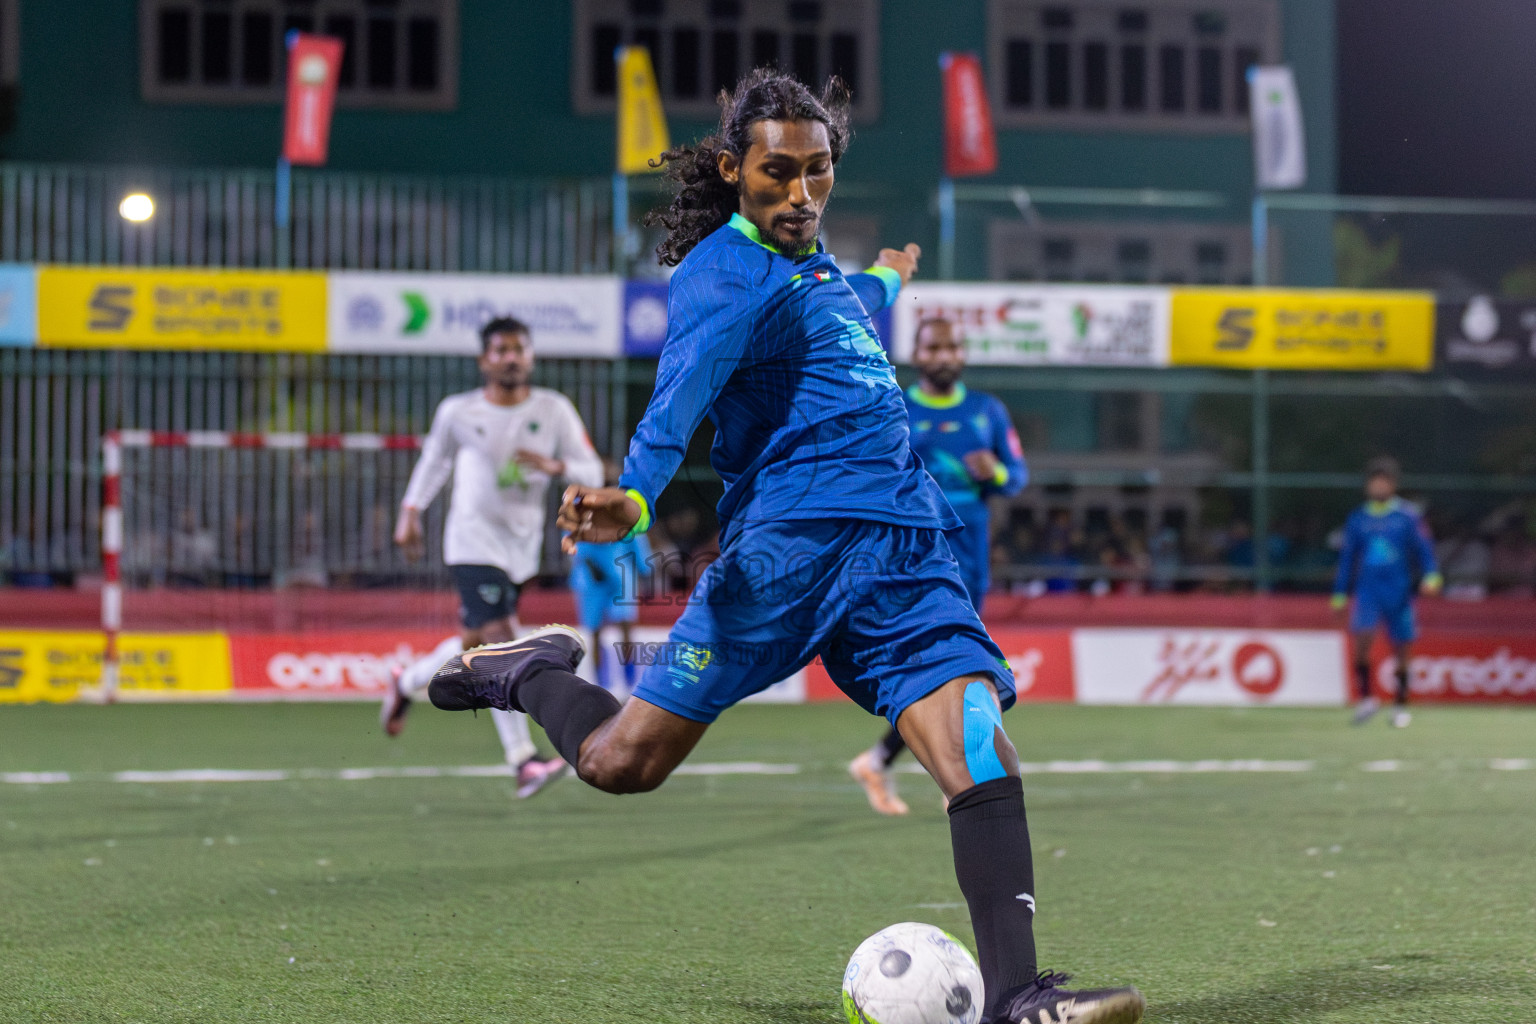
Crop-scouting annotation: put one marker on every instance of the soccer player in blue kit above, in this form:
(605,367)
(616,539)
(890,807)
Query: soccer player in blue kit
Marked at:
(1386,548)
(832,535)
(968,444)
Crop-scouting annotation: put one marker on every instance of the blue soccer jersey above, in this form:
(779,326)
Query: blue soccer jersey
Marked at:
(946,430)
(780,353)
(1386,549)
(833,536)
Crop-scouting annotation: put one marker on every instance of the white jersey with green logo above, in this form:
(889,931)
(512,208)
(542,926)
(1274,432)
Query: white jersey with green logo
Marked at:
(496,512)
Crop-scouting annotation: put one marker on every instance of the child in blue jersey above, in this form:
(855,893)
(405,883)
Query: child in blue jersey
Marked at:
(969,447)
(605,581)
(1387,555)
(832,535)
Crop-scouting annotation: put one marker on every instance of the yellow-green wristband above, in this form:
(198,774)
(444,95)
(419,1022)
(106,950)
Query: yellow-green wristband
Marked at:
(1339,600)
(1000,475)
(890,280)
(1434,580)
(644,522)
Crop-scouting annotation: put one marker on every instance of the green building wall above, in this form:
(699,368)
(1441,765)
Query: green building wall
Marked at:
(79,101)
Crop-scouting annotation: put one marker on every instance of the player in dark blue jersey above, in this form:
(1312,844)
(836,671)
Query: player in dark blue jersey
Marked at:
(832,534)
(1387,555)
(969,447)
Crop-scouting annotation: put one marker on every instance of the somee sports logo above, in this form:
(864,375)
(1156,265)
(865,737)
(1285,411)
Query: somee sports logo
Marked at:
(111,307)
(1235,329)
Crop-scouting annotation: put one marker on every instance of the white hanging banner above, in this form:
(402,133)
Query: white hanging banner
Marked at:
(1279,142)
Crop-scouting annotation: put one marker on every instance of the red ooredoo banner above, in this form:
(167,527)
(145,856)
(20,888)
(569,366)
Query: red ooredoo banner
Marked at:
(314,62)
(1463,668)
(970,144)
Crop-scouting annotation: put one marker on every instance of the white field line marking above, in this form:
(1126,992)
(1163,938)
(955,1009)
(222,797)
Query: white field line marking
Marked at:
(1146,767)
(203,775)
(706,768)
(468,771)
(736,768)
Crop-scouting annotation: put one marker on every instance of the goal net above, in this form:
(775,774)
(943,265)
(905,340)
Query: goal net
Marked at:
(263,566)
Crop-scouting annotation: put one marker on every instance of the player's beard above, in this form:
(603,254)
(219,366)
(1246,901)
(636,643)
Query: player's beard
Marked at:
(791,245)
(943,378)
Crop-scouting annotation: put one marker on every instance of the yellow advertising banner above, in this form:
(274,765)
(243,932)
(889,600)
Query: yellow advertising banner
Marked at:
(642,123)
(48,665)
(131,307)
(1316,329)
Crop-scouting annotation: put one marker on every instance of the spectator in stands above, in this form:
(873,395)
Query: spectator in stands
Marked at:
(1512,560)
(1464,560)
(25,557)
(1165,556)
(1058,554)
(194,552)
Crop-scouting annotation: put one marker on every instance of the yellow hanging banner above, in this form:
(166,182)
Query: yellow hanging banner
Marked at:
(642,123)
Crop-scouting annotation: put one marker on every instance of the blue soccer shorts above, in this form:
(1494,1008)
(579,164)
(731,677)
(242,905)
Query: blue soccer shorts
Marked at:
(600,604)
(1395,612)
(882,605)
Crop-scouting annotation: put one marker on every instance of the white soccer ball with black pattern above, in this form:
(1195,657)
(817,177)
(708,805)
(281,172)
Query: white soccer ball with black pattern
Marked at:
(912,974)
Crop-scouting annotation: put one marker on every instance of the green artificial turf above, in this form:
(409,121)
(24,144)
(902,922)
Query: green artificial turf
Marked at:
(1336,894)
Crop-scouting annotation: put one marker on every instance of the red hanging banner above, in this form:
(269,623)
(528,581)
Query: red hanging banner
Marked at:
(970,144)
(314,62)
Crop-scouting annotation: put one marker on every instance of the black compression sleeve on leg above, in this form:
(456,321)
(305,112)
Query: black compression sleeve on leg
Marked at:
(1363,679)
(567,706)
(996,871)
(1402,687)
(890,747)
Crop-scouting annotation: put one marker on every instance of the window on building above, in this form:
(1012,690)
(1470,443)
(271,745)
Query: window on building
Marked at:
(702,46)
(398,53)
(1157,252)
(10,40)
(1119,64)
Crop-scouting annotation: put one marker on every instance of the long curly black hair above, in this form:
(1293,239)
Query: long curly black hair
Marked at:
(704,201)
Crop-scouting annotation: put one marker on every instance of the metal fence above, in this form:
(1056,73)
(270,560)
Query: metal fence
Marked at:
(56,405)
(227,218)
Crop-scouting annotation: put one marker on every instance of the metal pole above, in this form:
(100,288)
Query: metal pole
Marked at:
(947,228)
(1262,581)
(1260,241)
(282,213)
(620,223)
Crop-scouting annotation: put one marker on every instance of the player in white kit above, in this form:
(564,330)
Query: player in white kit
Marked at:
(502,443)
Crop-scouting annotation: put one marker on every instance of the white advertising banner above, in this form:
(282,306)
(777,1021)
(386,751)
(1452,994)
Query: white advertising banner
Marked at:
(1210,666)
(1042,325)
(437,314)
(1279,141)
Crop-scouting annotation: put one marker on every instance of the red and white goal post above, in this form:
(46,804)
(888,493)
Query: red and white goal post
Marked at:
(197,483)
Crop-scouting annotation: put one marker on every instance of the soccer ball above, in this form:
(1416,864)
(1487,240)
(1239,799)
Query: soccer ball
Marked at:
(912,974)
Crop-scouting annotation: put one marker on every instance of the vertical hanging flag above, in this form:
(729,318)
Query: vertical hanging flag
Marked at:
(314,62)
(970,144)
(1279,143)
(642,123)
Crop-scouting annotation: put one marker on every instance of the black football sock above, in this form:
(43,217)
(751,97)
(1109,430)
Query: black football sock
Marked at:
(1363,680)
(889,748)
(567,706)
(996,871)
(1402,687)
